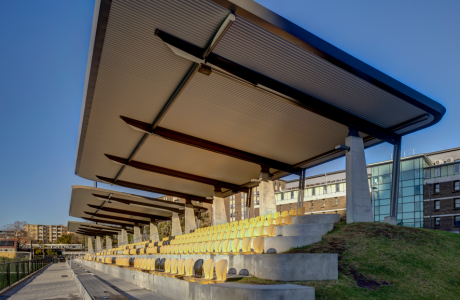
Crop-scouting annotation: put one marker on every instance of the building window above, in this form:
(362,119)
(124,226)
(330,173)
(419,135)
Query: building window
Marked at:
(437,222)
(313,191)
(337,188)
(311,204)
(457,168)
(457,185)
(427,173)
(282,196)
(437,172)
(457,203)
(292,195)
(437,205)
(324,202)
(336,201)
(457,221)
(325,189)
(436,188)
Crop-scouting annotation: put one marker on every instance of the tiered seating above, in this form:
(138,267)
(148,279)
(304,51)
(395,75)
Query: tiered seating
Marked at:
(240,237)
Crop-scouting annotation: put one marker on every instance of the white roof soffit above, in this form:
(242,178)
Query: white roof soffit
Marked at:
(104,204)
(240,81)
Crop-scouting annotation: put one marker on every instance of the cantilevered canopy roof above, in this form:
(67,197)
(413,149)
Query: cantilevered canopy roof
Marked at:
(117,208)
(181,97)
(93,229)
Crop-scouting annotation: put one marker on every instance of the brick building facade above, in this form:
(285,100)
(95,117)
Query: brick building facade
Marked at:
(442,207)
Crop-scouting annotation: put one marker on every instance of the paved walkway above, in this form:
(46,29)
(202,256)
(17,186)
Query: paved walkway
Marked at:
(48,283)
(129,290)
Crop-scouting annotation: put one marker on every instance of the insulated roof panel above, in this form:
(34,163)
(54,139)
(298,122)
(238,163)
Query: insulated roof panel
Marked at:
(225,111)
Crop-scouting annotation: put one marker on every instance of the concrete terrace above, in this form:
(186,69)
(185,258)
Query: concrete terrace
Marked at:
(55,282)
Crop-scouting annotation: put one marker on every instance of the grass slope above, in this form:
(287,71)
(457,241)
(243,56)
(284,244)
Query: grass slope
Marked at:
(381,261)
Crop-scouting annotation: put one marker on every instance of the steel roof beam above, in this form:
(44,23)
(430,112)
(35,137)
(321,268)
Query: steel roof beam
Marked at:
(298,98)
(129,212)
(153,189)
(174,173)
(209,146)
(135,221)
(128,202)
(107,222)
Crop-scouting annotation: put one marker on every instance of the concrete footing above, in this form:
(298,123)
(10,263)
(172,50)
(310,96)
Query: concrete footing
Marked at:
(154,236)
(189,290)
(175,226)
(390,220)
(219,215)
(98,244)
(90,244)
(190,223)
(266,195)
(108,242)
(137,234)
(359,206)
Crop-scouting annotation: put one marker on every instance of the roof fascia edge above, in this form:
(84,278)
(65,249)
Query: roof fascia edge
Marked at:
(98,31)
(295,34)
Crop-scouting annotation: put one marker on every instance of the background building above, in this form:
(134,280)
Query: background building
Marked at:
(46,233)
(326,193)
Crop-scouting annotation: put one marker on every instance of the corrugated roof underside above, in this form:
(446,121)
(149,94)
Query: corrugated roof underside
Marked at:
(138,73)
(258,49)
(227,112)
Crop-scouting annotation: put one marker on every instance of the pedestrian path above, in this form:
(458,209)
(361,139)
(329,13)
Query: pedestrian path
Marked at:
(124,288)
(53,282)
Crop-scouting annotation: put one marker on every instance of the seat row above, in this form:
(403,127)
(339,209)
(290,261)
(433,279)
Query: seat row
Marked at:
(190,270)
(235,246)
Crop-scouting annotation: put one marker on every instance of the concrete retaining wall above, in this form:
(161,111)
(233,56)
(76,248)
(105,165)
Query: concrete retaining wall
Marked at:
(181,289)
(281,267)
(309,229)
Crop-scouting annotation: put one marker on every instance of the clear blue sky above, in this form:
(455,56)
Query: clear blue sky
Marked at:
(43,54)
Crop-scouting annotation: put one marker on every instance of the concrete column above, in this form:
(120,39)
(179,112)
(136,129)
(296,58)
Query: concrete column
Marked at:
(190,223)
(267,204)
(90,244)
(137,234)
(219,215)
(123,237)
(359,205)
(98,244)
(175,226)
(108,242)
(154,236)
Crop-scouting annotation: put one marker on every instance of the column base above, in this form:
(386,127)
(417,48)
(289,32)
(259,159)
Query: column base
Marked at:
(390,220)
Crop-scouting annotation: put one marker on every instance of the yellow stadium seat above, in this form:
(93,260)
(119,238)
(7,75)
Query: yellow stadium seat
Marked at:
(284,213)
(235,246)
(287,220)
(172,270)
(270,230)
(209,247)
(269,221)
(293,212)
(190,248)
(251,232)
(301,211)
(196,248)
(216,247)
(208,269)
(260,231)
(225,247)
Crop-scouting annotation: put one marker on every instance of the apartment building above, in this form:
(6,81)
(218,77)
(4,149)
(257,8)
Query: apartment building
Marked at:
(46,233)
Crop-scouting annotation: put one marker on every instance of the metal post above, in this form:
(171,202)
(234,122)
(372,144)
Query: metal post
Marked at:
(251,202)
(395,179)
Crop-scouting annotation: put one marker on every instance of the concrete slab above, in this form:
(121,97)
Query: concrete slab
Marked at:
(282,244)
(309,229)
(316,219)
(46,284)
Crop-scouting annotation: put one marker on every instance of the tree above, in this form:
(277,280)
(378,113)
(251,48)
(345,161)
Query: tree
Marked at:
(18,233)
(205,220)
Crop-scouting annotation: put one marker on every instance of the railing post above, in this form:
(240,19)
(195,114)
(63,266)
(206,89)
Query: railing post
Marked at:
(8,267)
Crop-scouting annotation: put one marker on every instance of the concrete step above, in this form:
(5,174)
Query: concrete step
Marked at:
(316,219)
(319,229)
(279,244)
